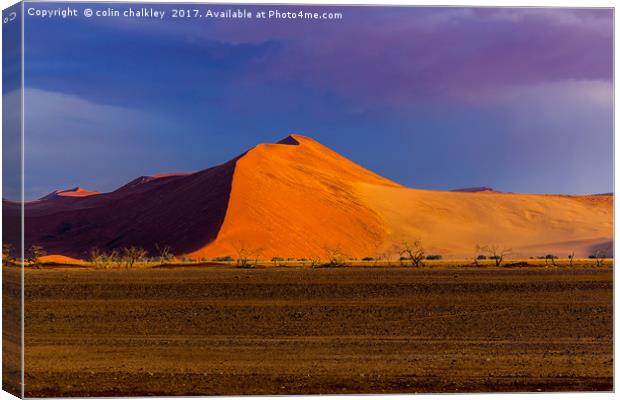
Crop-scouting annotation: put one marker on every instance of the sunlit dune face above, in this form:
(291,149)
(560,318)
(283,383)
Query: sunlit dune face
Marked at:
(76,192)
(60,259)
(302,199)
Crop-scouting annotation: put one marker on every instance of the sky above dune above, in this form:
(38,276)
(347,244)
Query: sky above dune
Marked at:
(438,98)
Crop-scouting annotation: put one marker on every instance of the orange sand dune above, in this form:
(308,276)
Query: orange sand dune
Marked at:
(452,223)
(60,259)
(301,199)
(297,198)
(75,192)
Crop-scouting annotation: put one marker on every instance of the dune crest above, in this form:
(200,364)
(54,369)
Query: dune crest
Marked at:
(298,198)
(75,192)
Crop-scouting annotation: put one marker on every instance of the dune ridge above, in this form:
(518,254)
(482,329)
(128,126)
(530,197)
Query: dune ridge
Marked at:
(75,192)
(298,198)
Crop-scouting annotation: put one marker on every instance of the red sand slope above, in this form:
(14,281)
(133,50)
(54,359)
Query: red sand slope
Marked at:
(75,192)
(297,198)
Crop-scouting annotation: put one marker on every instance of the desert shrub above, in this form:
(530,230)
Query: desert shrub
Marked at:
(247,257)
(133,254)
(164,253)
(550,257)
(7,254)
(35,252)
(97,258)
(277,259)
(434,257)
(314,261)
(225,258)
(368,259)
(481,257)
(335,256)
(599,256)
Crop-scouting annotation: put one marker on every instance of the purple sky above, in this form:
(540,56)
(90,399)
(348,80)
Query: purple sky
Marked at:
(513,98)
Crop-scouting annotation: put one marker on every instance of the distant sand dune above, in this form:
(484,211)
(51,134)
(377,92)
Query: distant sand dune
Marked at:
(452,223)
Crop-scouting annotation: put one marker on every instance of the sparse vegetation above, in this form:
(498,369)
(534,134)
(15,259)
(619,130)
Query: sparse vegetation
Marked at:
(7,254)
(497,253)
(277,260)
(314,261)
(97,258)
(165,253)
(247,257)
(478,256)
(132,255)
(335,256)
(550,258)
(599,256)
(35,252)
(224,259)
(101,259)
(413,252)
(571,256)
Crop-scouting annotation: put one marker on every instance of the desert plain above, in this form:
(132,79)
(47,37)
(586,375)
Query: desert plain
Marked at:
(214,330)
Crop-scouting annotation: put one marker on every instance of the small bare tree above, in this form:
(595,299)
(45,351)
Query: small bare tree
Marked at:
(98,258)
(413,252)
(277,261)
(115,257)
(7,254)
(335,256)
(314,261)
(35,254)
(599,256)
(133,254)
(571,257)
(164,252)
(550,257)
(497,253)
(247,257)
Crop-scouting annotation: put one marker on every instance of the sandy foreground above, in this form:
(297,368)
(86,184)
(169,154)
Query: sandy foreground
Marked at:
(205,331)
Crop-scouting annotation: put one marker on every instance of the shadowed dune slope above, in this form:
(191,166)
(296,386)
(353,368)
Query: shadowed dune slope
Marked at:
(180,211)
(297,198)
